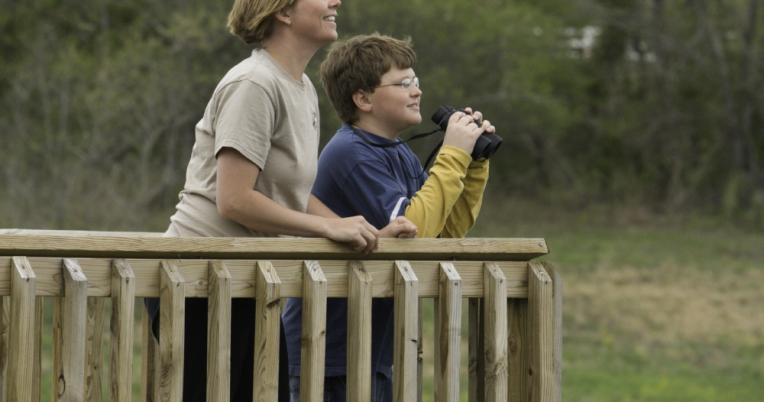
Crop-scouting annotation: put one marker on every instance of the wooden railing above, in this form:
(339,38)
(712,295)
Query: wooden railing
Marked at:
(514,313)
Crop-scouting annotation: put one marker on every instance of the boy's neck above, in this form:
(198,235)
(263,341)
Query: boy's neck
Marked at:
(374,127)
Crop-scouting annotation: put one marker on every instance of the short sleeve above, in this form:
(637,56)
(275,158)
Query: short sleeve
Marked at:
(377,195)
(245,121)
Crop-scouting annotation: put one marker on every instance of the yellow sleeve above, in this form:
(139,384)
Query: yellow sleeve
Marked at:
(432,204)
(467,207)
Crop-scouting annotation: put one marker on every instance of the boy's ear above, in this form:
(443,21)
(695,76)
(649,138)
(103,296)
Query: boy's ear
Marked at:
(362,101)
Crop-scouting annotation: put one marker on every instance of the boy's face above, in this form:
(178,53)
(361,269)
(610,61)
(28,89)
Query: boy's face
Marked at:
(393,104)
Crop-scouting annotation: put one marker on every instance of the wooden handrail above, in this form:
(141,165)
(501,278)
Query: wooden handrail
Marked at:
(514,311)
(125,245)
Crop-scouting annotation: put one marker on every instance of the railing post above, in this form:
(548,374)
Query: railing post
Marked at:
(218,332)
(74,328)
(406,309)
(447,354)
(122,310)
(313,333)
(359,333)
(172,309)
(21,336)
(541,303)
(495,333)
(267,332)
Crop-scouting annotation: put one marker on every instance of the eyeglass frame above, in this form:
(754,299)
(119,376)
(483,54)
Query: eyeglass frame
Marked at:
(402,84)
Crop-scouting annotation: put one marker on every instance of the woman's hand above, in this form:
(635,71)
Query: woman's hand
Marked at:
(355,231)
(400,227)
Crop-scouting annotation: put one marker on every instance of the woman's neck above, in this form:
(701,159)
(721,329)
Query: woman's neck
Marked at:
(292,55)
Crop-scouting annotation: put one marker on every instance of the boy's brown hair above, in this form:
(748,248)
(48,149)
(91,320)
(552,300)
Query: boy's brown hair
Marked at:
(357,64)
(252,20)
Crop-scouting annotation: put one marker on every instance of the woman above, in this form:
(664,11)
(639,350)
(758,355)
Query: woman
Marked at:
(254,162)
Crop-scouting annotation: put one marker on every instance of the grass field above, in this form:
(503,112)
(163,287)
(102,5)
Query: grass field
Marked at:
(655,308)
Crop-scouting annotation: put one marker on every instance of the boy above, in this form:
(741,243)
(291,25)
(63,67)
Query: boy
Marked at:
(365,170)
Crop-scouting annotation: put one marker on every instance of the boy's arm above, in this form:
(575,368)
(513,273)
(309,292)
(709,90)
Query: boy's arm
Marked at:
(432,205)
(467,207)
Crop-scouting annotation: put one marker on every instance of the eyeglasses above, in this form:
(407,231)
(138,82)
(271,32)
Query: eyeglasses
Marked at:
(405,83)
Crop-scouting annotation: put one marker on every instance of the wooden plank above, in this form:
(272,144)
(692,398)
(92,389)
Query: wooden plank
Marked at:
(517,344)
(313,333)
(419,357)
(73,330)
(171,332)
(557,290)
(449,340)
(58,342)
(4,320)
(267,333)
(95,320)
(495,334)
(476,351)
(122,317)
(58,243)
(98,272)
(406,309)
(21,335)
(359,333)
(219,333)
(541,306)
(37,370)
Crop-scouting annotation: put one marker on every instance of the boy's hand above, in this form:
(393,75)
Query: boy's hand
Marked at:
(464,128)
(400,227)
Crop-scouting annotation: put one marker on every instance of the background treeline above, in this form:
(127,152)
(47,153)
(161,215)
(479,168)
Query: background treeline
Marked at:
(650,103)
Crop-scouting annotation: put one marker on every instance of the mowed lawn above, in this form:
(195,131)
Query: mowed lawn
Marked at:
(655,309)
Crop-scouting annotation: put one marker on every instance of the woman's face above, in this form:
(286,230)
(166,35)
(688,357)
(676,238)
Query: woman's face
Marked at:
(315,20)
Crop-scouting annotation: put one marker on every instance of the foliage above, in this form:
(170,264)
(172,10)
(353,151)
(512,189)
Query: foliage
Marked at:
(99,99)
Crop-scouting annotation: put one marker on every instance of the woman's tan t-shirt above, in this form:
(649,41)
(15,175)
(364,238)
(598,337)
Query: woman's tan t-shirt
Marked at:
(272,120)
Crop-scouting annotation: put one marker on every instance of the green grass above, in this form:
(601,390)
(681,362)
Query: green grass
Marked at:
(656,308)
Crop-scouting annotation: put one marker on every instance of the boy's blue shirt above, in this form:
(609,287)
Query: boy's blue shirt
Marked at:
(357,178)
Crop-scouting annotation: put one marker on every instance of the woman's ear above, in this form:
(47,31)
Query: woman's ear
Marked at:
(284,17)
(362,100)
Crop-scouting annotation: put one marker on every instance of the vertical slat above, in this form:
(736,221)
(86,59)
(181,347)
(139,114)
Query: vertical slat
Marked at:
(218,333)
(495,332)
(557,289)
(21,336)
(172,302)
(94,330)
(406,307)
(3,346)
(419,357)
(450,323)
(359,333)
(476,351)
(518,343)
(122,310)
(74,327)
(267,332)
(58,344)
(541,305)
(37,371)
(313,333)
